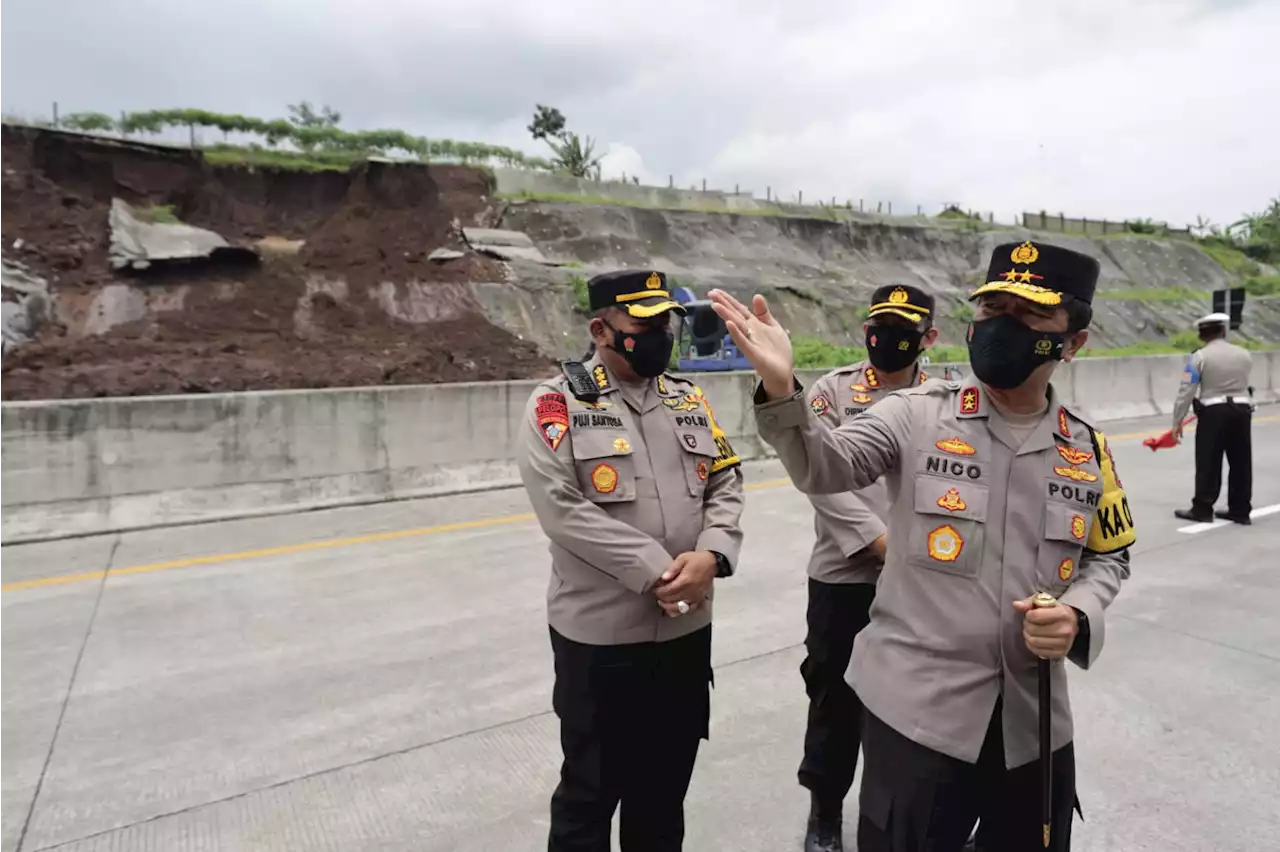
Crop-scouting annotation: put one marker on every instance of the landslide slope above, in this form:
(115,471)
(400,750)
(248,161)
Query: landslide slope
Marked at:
(819,273)
(344,293)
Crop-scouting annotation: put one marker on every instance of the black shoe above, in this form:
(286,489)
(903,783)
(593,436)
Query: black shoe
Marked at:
(1245,520)
(1188,515)
(824,836)
(825,832)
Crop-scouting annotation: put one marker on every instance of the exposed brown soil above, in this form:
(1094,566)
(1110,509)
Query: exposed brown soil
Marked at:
(357,304)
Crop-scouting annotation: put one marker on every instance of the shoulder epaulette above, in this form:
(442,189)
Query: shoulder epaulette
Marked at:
(673,385)
(846,369)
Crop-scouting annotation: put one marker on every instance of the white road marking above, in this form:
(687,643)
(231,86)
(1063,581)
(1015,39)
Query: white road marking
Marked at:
(1192,529)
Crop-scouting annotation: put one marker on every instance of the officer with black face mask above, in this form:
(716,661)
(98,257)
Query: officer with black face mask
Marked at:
(848,554)
(1000,491)
(640,493)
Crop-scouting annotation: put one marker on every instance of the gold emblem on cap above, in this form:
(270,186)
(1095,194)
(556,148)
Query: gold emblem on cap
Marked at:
(653,282)
(899,296)
(1025,254)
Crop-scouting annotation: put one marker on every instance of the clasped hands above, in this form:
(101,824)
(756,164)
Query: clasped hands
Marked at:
(688,579)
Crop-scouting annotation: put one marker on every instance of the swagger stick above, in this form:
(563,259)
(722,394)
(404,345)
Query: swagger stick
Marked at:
(1042,600)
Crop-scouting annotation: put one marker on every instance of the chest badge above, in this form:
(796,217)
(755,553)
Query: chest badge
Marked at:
(1075,474)
(1073,455)
(702,471)
(859,387)
(1066,568)
(862,398)
(621,445)
(945,544)
(690,441)
(688,402)
(820,404)
(955,446)
(952,501)
(605,478)
(1077,527)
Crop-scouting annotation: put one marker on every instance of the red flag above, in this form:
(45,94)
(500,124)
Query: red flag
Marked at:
(1160,442)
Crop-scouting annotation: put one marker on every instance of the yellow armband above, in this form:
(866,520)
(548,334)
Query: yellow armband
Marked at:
(1113,522)
(725,456)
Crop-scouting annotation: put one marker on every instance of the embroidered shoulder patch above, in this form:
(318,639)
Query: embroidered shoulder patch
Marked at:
(1073,455)
(553,418)
(1075,474)
(969,401)
(820,404)
(955,446)
(1063,429)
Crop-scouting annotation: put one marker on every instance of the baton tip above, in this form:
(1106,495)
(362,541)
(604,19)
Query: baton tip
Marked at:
(1046,835)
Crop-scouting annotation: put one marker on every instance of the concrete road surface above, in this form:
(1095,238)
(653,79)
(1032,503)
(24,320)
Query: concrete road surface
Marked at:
(378,678)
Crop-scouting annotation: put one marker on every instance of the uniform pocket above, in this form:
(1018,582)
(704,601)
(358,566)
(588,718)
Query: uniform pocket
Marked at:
(1066,529)
(699,454)
(606,470)
(949,525)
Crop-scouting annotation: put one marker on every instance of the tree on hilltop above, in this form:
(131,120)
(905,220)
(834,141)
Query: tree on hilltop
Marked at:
(303,114)
(573,154)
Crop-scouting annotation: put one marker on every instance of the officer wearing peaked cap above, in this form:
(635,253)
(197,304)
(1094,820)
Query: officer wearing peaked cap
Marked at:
(1000,491)
(1216,382)
(848,554)
(640,494)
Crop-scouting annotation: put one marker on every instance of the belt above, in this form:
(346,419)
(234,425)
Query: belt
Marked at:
(1218,400)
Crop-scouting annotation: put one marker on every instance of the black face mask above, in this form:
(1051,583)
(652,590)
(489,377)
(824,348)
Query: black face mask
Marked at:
(648,352)
(892,348)
(1004,351)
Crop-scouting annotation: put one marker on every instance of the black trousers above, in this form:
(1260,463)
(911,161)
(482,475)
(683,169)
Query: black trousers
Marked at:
(1224,429)
(914,799)
(631,720)
(836,613)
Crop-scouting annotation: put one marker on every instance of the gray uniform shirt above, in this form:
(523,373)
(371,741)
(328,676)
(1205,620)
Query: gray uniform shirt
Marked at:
(844,524)
(978,519)
(1215,370)
(621,487)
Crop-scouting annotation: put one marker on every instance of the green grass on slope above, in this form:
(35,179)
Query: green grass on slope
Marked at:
(1154,294)
(317,161)
(815,353)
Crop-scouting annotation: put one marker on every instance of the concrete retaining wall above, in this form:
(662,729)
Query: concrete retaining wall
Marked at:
(83,467)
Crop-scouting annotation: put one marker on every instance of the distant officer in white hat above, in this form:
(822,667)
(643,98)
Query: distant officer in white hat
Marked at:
(1216,382)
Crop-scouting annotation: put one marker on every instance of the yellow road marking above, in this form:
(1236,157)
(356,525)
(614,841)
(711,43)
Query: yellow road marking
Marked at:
(219,558)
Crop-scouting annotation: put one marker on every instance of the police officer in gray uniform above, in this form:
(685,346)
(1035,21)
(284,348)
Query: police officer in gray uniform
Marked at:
(999,491)
(640,493)
(1216,382)
(848,553)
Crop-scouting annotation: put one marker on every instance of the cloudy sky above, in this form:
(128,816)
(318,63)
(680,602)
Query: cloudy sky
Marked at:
(1107,108)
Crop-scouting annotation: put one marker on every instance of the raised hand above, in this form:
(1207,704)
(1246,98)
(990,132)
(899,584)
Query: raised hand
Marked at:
(762,340)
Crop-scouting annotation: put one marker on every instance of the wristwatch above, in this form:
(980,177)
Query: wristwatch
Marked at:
(723,568)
